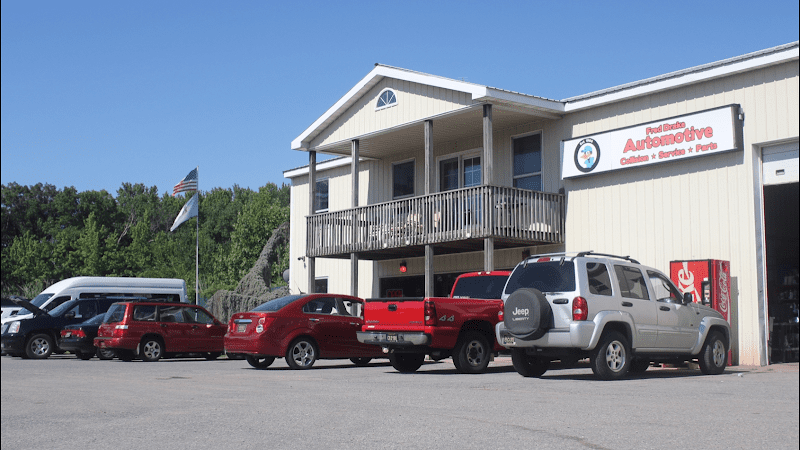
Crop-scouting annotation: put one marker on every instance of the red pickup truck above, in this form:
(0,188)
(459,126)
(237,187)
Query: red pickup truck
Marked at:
(461,326)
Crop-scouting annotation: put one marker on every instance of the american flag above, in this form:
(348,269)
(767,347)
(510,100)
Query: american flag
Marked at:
(188,183)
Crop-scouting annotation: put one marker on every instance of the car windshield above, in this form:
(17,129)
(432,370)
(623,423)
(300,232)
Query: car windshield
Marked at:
(60,309)
(274,305)
(490,286)
(552,276)
(37,301)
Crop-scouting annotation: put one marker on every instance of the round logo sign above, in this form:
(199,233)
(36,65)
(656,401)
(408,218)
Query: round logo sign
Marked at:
(587,155)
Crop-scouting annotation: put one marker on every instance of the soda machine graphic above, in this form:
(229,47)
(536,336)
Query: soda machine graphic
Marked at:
(708,280)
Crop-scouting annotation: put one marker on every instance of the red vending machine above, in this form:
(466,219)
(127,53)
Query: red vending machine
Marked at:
(708,280)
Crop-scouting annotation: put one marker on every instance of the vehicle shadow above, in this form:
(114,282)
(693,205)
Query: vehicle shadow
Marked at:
(343,365)
(651,373)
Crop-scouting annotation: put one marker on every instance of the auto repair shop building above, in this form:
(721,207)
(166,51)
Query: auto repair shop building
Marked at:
(454,177)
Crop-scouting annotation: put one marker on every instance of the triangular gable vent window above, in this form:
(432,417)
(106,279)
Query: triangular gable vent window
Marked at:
(386,99)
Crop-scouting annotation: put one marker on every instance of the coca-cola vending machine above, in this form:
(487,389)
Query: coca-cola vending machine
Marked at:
(708,280)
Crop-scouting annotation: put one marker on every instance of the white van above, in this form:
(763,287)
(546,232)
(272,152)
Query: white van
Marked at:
(86,287)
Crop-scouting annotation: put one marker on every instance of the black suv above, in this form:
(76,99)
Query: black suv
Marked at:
(37,337)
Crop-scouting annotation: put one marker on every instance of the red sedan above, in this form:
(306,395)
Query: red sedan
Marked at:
(303,329)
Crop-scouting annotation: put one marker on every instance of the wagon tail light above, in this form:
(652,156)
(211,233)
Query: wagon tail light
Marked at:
(430,313)
(580,310)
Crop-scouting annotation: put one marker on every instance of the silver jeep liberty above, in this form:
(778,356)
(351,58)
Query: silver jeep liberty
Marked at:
(620,314)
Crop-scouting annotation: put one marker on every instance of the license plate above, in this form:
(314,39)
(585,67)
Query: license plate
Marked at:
(391,337)
(241,327)
(509,340)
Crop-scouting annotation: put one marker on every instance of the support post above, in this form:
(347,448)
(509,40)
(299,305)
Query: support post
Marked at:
(488,150)
(312,193)
(488,179)
(428,270)
(488,254)
(354,180)
(430,171)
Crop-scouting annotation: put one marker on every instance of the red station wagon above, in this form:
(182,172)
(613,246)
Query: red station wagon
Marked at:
(152,330)
(301,328)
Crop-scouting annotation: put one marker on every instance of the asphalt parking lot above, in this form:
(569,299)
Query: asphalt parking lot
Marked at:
(65,403)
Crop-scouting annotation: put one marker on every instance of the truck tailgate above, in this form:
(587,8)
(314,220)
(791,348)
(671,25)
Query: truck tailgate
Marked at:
(403,313)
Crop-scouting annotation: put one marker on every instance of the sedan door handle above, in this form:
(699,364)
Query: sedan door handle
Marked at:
(664,308)
(627,304)
(313,320)
(355,324)
(163,325)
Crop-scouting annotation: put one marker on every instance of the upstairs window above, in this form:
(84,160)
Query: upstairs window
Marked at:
(386,99)
(321,196)
(528,162)
(403,179)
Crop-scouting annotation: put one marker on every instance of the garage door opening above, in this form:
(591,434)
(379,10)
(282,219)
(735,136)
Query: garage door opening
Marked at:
(782,250)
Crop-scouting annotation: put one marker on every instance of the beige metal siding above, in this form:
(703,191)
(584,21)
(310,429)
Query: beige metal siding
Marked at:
(414,102)
(339,197)
(701,208)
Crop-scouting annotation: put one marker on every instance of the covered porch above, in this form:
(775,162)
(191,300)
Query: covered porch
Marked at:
(452,221)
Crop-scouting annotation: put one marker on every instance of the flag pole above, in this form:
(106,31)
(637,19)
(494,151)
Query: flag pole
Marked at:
(197,246)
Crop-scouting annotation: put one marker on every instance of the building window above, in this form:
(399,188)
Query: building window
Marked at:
(403,179)
(386,99)
(321,286)
(459,172)
(321,196)
(528,162)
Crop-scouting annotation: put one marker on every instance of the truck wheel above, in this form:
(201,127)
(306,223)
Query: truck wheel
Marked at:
(40,346)
(360,362)
(527,365)
(260,362)
(472,353)
(406,362)
(611,359)
(714,355)
(302,354)
(152,350)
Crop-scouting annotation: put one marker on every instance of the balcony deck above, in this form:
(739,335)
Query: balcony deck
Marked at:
(452,221)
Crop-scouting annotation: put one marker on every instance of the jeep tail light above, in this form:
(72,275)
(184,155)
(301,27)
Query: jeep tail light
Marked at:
(500,312)
(430,313)
(580,310)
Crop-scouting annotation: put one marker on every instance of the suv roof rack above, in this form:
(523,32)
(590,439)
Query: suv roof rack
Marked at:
(593,253)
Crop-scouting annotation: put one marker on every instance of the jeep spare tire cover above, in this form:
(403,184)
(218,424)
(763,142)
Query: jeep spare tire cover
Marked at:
(527,314)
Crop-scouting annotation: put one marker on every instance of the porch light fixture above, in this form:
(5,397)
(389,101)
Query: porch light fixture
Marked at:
(403,267)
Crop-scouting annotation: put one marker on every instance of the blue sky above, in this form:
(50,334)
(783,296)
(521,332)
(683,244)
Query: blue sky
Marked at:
(97,93)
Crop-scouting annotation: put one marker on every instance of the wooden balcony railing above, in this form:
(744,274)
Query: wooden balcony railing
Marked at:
(469,213)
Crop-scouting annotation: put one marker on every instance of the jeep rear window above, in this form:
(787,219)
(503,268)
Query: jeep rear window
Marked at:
(599,279)
(489,286)
(553,276)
